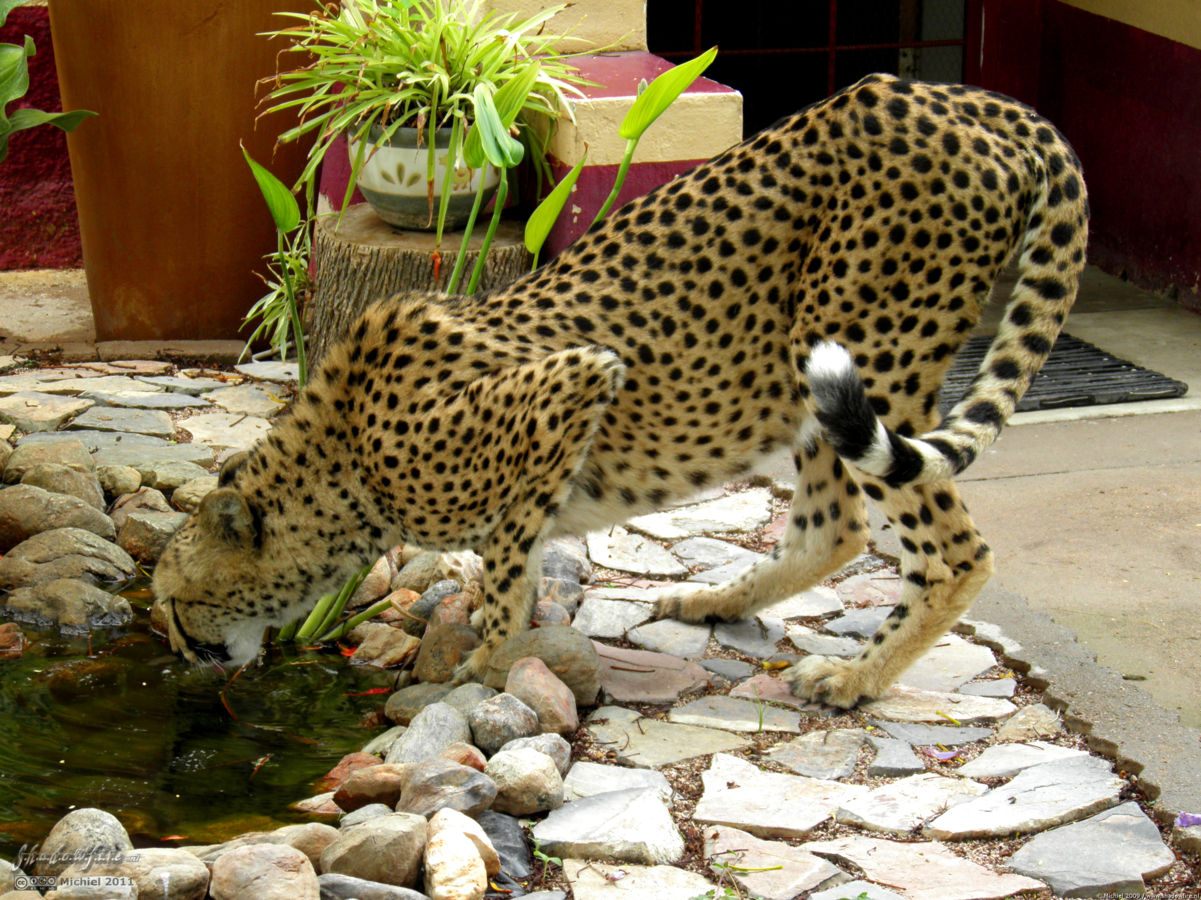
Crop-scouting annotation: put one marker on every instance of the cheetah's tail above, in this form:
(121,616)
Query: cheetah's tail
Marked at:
(1050,262)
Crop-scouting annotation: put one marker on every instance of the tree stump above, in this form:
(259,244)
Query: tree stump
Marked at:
(362,259)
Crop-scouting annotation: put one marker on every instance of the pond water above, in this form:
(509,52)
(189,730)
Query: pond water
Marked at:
(122,724)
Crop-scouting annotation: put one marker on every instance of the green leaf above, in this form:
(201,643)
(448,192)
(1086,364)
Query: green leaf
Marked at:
(7,6)
(500,148)
(14,74)
(661,93)
(510,99)
(67,121)
(542,219)
(283,206)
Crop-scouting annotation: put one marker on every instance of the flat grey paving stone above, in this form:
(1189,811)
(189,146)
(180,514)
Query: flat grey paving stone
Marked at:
(683,639)
(626,552)
(271,371)
(641,676)
(859,890)
(904,805)
(584,779)
(905,704)
(647,595)
(599,881)
(633,826)
(767,804)
(921,871)
(862,623)
(1006,760)
(919,735)
(12,384)
(821,754)
(737,512)
(153,422)
(771,870)
(948,664)
(114,448)
(145,399)
(181,384)
(756,636)
(995,687)
(880,588)
(729,669)
(1110,854)
(733,714)
(815,602)
(225,431)
(809,641)
(650,743)
(1037,798)
(602,618)
(711,552)
(264,400)
(894,758)
(37,411)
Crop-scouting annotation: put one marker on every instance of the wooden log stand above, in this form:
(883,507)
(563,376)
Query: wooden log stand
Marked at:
(362,259)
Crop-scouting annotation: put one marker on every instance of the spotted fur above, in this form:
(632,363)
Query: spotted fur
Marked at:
(806,289)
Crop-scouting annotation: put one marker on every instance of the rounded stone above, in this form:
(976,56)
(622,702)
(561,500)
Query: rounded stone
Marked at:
(496,721)
(70,605)
(527,782)
(144,534)
(545,693)
(567,652)
(158,873)
(387,849)
(442,784)
(265,872)
(70,453)
(442,649)
(405,703)
(65,553)
(60,479)
(549,743)
(118,480)
(89,831)
(26,510)
(431,731)
(188,495)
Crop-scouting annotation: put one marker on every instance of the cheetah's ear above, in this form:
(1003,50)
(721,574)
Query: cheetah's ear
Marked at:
(230,467)
(226,514)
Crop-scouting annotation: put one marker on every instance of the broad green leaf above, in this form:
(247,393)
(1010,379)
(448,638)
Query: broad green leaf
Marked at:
(283,206)
(7,6)
(509,101)
(500,148)
(67,121)
(542,219)
(661,93)
(14,74)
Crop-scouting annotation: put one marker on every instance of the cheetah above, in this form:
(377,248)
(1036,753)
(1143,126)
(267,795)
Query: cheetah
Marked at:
(806,289)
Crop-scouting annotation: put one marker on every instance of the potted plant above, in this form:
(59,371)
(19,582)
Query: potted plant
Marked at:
(401,79)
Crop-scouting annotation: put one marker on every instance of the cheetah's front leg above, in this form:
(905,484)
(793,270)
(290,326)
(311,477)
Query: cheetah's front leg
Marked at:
(553,407)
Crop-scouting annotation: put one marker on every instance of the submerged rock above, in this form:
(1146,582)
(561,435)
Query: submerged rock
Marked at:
(70,605)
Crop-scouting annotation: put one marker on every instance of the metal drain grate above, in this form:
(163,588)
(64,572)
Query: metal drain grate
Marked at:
(1075,374)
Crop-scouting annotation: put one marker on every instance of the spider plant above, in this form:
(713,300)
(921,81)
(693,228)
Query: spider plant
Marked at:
(370,67)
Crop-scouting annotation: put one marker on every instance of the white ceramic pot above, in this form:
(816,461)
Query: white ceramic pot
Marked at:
(393,181)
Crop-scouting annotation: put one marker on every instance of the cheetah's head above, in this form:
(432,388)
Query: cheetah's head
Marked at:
(213,583)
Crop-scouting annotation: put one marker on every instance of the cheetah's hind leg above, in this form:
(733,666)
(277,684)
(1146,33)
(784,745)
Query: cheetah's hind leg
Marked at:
(827,528)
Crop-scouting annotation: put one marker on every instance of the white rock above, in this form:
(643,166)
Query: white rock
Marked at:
(225,431)
(818,601)
(904,704)
(1037,798)
(948,664)
(527,781)
(601,618)
(742,511)
(922,871)
(1030,722)
(1006,760)
(900,807)
(453,820)
(767,804)
(586,779)
(651,743)
(732,714)
(633,826)
(453,868)
(619,549)
(683,639)
(771,870)
(597,881)
(821,754)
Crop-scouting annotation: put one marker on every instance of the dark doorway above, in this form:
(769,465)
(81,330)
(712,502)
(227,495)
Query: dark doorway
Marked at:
(783,56)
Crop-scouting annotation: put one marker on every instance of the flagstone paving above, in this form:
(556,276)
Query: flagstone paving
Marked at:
(702,772)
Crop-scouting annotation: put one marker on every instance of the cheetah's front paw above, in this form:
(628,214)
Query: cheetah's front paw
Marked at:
(836,682)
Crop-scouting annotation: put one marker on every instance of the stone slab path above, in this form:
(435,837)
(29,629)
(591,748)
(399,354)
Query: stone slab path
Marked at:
(700,776)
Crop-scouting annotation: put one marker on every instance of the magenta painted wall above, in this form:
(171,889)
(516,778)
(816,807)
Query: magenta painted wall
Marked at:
(38,224)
